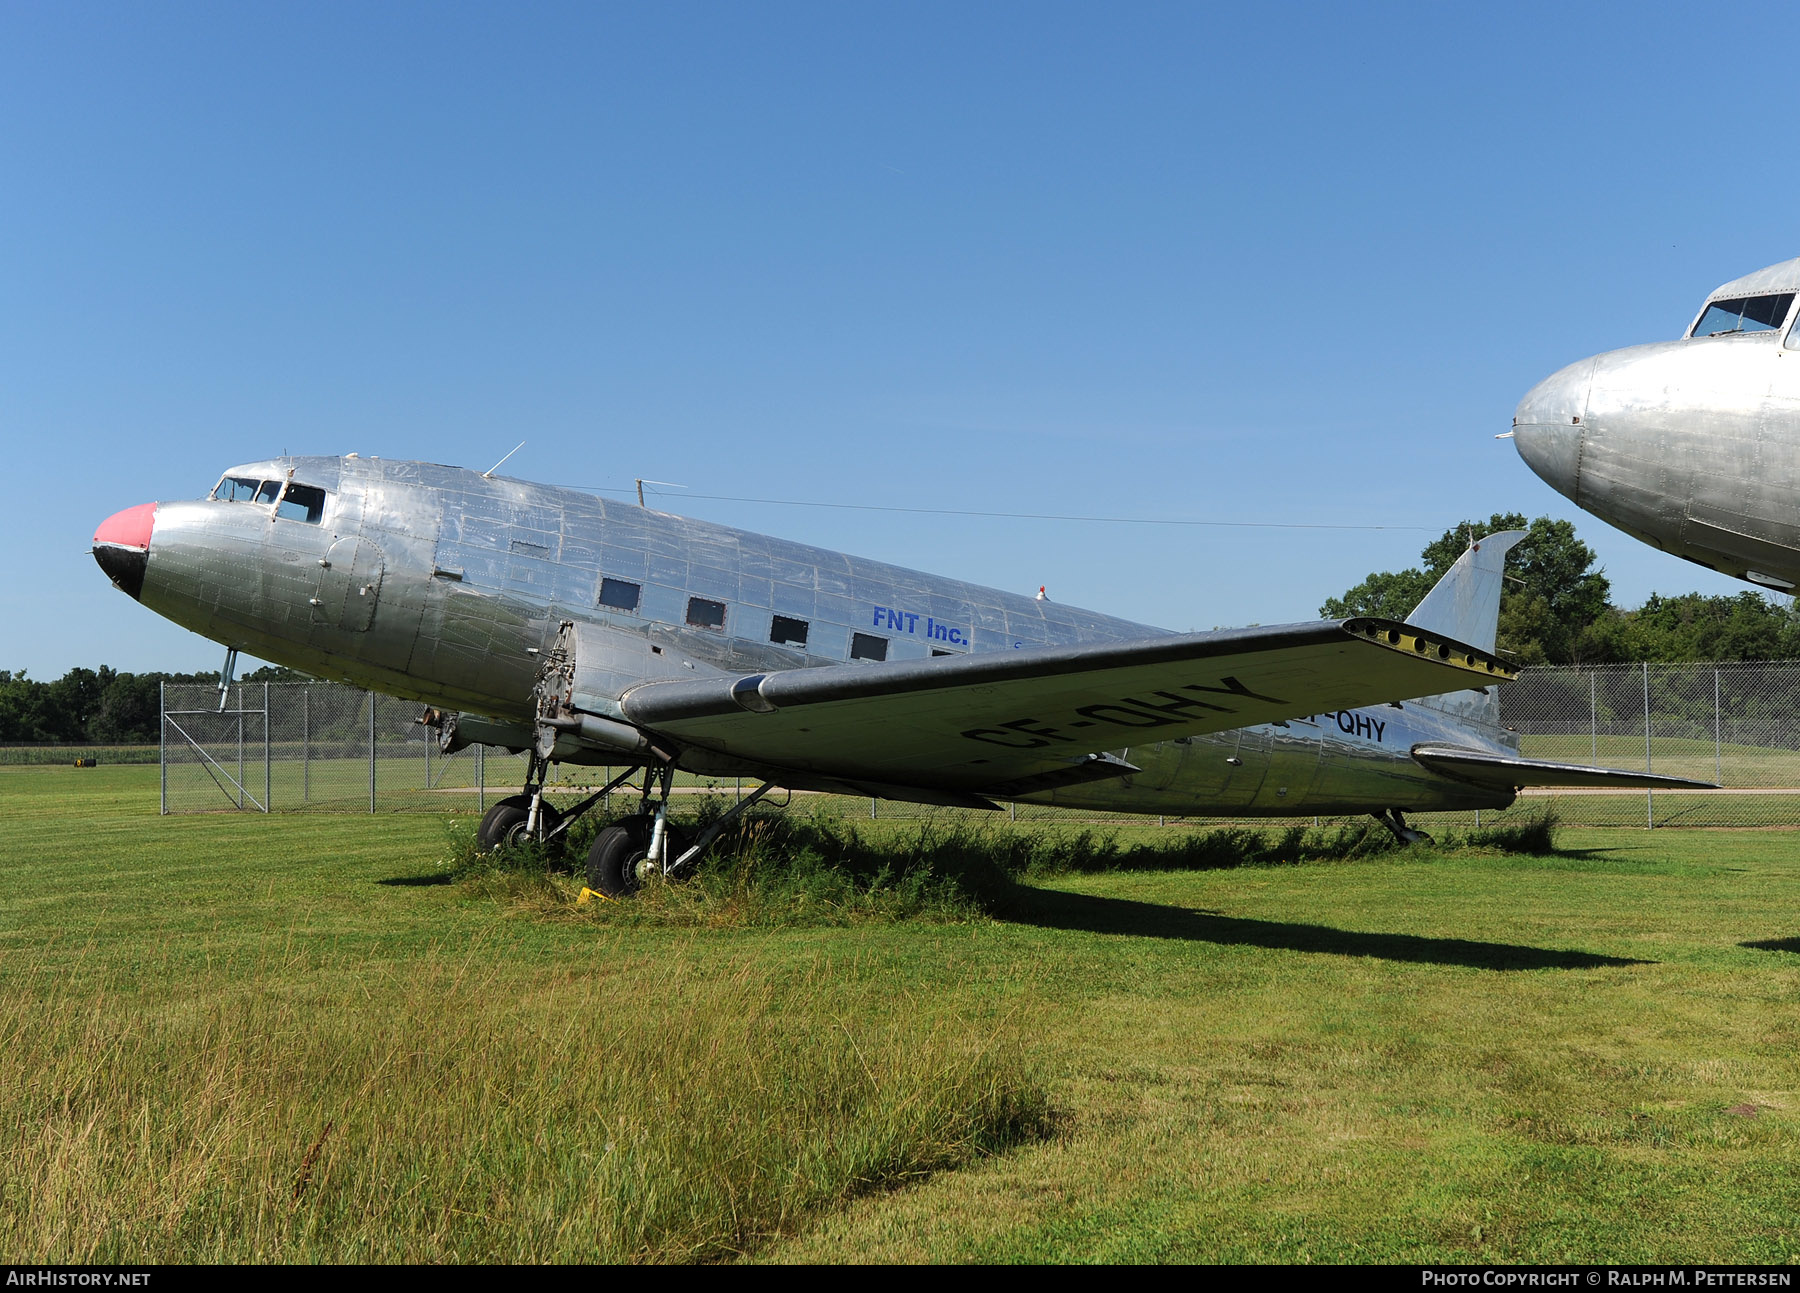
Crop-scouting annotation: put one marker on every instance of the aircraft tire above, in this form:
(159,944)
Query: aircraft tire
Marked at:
(614,858)
(503,825)
(618,853)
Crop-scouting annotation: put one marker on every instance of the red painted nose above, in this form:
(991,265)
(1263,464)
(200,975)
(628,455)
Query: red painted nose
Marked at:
(122,546)
(128,529)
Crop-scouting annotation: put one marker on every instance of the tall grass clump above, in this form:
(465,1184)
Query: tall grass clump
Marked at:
(768,869)
(784,869)
(441,1118)
(1534,835)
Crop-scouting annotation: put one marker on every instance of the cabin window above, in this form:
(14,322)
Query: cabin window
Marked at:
(788,631)
(620,594)
(1744,314)
(703,613)
(235,489)
(866,646)
(302,503)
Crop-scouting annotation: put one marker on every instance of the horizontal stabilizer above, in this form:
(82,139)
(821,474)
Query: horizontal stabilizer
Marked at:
(1485,768)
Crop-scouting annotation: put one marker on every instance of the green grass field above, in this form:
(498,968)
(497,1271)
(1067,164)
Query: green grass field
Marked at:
(292,1038)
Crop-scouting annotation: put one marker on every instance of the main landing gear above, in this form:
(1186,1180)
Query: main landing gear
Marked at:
(1395,821)
(627,853)
(624,854)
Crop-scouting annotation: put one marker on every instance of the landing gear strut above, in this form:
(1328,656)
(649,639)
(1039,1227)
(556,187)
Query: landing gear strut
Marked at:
(1395,821)
(624,854)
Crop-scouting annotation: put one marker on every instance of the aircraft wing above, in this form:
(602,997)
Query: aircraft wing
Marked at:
(1008,722)
(1485,768)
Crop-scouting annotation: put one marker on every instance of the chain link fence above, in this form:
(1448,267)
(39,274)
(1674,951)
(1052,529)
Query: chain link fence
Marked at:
(1733,724)
(282,746)
(322,746)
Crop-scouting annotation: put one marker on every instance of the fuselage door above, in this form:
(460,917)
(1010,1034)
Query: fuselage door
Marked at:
(349,585)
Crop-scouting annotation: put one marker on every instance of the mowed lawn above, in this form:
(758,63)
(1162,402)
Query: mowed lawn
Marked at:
(239,1037)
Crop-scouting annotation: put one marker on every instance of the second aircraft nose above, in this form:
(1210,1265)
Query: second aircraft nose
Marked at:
(1547,428)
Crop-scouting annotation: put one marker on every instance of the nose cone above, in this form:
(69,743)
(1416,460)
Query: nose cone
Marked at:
(1547,428)
(122,546)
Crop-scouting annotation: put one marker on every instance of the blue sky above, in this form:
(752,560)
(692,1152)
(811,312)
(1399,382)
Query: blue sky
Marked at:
(1283,264)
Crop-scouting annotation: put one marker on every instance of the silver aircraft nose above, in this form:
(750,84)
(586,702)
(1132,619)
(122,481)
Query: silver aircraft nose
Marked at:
(1547,427)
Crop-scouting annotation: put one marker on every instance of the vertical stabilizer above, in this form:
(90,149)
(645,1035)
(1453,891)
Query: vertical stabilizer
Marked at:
(1465,603)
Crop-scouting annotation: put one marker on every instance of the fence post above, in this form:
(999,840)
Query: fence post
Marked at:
(1717,764)
(481,779)
(268,799)
(1594,711)
(306,743)
(1649,795)
(162,744)
(240,730)
(371,752)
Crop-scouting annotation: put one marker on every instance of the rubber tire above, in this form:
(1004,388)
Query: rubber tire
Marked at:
(503,825)
(619,850)
(614,858)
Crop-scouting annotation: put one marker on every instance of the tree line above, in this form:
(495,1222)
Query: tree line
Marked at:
(97,706)
(1557,609)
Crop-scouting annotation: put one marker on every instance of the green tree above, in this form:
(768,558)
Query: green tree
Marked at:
(1692,626)
(129,710)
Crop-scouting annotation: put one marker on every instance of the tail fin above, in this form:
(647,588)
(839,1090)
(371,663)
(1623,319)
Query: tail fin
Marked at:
(1465,605)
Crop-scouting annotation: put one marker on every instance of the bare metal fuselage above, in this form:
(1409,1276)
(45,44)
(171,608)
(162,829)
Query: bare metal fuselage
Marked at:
(1692,446)
(445,586)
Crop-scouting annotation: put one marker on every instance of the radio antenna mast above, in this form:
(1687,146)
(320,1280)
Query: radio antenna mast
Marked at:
(642,481)
(496,467)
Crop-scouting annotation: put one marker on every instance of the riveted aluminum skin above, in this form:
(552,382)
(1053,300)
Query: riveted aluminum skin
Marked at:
(1692,446)
(452,588)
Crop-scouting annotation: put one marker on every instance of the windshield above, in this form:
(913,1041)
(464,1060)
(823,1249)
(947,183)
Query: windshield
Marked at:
(235,489)
(1744,314)
(297,502)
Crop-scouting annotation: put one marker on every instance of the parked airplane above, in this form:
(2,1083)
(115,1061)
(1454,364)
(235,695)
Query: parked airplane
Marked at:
(1690,445)
(594,632)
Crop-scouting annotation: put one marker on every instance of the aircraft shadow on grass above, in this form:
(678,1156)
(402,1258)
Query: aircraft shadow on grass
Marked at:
(1773,944)
(1050,909)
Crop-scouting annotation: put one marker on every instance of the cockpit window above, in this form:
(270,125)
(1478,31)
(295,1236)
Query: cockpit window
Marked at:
(1745,314)
(298,502)
(302,503)
(235,489)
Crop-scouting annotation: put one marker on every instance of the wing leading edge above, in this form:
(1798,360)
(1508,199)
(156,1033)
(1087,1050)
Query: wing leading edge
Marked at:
(993,722)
